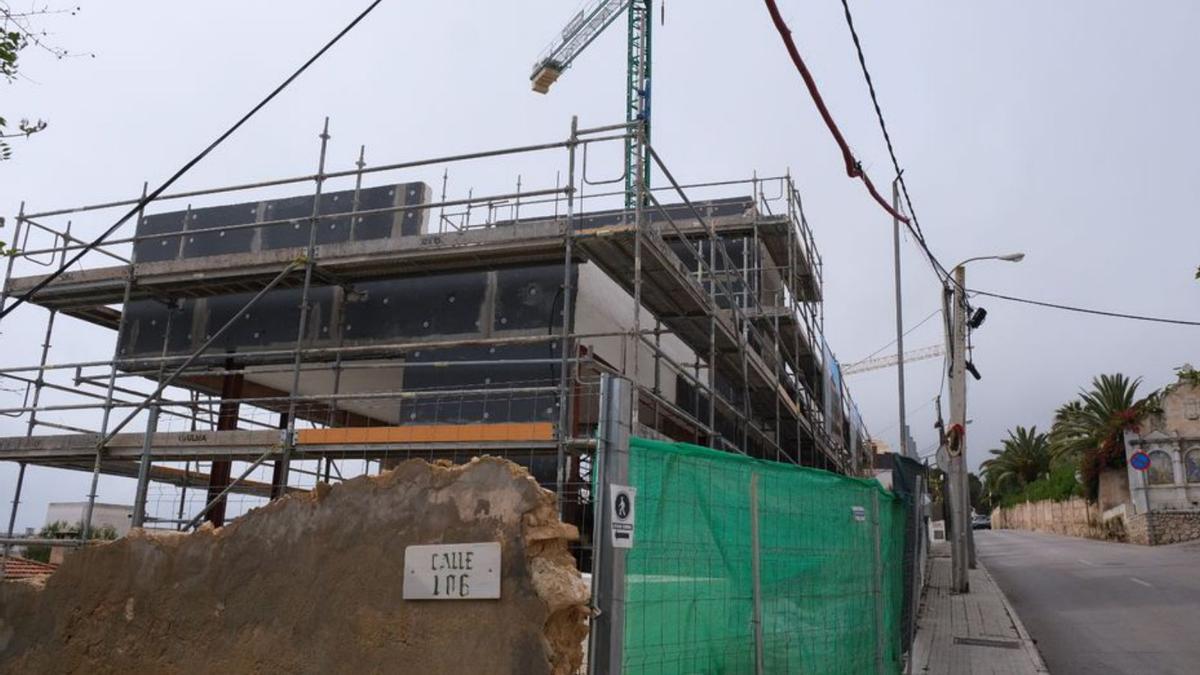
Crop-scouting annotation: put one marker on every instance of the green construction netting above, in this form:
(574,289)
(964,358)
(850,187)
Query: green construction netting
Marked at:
(830,603)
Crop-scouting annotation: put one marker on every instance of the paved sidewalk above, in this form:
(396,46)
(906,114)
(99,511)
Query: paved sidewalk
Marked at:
(976,633)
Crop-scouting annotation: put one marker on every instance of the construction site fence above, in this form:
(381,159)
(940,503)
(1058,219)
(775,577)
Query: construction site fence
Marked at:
(741,565)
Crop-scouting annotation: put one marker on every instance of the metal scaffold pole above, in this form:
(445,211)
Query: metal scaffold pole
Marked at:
(12,517)
(144,463)
(12,259)
(565,344)
(143,478)
(310,255)
(38,384)
(112,381)
(640,232)
(606,638)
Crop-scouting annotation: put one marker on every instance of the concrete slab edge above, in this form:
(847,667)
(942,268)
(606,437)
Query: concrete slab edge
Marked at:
(1027,643)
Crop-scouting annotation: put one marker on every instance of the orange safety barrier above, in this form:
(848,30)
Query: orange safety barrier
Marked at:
(430,433)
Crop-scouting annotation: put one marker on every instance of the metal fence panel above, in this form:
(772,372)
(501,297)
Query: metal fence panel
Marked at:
(747,566)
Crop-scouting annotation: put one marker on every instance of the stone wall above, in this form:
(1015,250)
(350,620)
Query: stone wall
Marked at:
(312,583)
(1073,518)
(1163,527)
(1113,488)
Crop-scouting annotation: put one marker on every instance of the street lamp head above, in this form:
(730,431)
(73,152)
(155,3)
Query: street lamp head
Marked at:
(1011,257)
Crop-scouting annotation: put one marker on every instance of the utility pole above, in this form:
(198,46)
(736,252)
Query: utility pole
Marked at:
(903,447)
(958,493)
(962,540)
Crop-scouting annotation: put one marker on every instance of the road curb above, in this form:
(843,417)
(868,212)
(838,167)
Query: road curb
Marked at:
(1027,642)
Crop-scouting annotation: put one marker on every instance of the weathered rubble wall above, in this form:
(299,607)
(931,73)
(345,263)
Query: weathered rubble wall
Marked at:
(312,584)
(1163,527)
(1073,518)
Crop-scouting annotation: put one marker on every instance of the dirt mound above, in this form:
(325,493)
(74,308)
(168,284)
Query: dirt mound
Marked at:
(313,583)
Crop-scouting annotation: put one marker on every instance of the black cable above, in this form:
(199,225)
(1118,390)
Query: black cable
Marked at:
(874,353)
(186,167)
(915,226)
(1084,310)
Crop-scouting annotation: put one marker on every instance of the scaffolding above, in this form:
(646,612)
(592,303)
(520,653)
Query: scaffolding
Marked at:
(710,304)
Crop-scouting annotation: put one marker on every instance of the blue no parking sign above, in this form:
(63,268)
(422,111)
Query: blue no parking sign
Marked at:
(1140,461)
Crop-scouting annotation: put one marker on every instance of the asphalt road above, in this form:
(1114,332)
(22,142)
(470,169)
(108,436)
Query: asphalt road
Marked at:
(1098,607)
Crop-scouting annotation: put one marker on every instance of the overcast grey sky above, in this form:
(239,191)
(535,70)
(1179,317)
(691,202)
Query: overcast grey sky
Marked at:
(1066,130)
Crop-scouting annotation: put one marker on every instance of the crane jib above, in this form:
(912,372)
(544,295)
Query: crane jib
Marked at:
(579,32)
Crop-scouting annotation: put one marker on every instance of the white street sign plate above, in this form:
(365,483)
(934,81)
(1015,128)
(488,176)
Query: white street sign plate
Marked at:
(622,500)
(452,572)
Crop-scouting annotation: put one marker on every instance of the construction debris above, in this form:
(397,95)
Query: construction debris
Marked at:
(313,583)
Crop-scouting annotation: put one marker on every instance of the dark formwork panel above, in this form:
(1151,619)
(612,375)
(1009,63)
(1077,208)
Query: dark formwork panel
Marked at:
(144,324)
(200,244)
(298,210)
(481,303)
(197,241)
(500,406)
(529,297)
(333,230)
(272,321)
(159,248)
(416,307)
(678,213)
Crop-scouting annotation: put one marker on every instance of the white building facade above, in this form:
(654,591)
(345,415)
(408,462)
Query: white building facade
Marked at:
(1166,496)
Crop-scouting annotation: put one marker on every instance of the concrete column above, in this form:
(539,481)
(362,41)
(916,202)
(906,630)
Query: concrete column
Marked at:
(227,420)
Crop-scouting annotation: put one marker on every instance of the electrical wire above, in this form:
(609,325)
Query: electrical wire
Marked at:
(921,323)
(910,413)
(879,113)
(915,225)
(45,281)
(853,166)
(1085,310)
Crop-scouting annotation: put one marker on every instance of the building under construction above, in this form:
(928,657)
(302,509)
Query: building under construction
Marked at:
(270,335)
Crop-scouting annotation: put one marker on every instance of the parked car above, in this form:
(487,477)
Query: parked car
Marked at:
(981,521)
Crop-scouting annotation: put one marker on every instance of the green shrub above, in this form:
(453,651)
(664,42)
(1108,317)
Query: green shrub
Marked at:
(1059,486)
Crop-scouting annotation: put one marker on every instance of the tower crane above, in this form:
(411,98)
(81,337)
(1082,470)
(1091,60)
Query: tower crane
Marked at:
(581,31)
(865,365)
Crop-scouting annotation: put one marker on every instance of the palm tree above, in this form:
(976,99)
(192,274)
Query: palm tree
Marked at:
(1091,429)
(1024,457)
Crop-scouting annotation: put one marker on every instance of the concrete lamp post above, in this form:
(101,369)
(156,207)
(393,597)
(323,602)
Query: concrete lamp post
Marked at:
(962,547)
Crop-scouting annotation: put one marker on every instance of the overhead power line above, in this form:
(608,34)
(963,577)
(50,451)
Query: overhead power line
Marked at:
(915,227)
(1085,310)
(879,113)
(187,167)
(853,166)
(922,322)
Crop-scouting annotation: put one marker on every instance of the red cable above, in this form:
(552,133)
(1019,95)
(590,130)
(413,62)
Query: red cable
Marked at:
(853,168)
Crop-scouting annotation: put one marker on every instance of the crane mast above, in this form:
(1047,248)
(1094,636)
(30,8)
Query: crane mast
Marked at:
(637,100)
(581,31)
